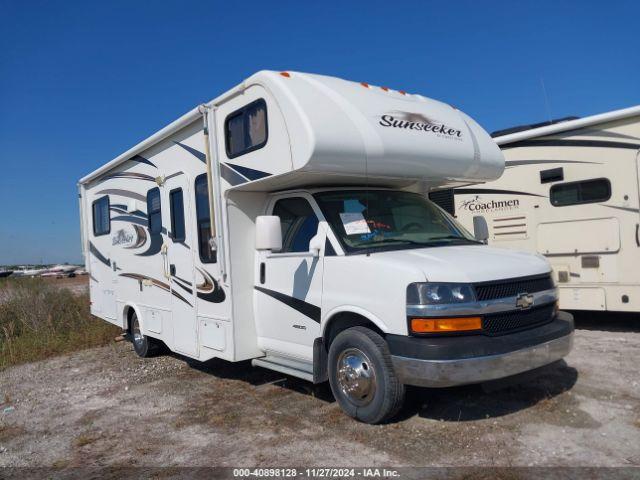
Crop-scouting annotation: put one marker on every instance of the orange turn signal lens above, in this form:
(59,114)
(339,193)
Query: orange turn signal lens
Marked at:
(285,74)
(443,325)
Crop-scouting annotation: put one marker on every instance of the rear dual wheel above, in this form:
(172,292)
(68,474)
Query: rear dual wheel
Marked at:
(362,377)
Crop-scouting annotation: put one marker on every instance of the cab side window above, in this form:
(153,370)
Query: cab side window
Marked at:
(299,224)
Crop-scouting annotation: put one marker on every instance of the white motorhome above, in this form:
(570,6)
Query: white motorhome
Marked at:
(570,192)
(324,260)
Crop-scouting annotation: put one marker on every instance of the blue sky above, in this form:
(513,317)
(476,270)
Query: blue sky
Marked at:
(81,82)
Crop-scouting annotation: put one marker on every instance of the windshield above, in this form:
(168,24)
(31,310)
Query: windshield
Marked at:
(388,220)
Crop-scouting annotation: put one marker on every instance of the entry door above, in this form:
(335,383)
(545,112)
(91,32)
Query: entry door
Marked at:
(288,289)
(179,264)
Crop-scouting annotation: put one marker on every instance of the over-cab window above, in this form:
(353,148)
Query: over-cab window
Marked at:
(203,220)
(299,224)
(101,217)
(246,129)
(577,193)
(154,211)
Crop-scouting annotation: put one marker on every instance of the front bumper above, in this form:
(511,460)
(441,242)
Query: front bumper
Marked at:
(461,360)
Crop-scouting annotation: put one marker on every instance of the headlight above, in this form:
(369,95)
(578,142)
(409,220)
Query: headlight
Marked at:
(439,293)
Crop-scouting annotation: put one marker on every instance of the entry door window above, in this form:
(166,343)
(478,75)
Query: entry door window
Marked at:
(204,221)
(299,223)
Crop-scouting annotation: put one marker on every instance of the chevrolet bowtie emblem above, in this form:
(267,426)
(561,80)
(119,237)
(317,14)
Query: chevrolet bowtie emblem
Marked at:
(524,300)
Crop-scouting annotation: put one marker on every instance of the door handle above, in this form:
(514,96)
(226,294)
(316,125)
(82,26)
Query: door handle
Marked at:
(172,270)
(165,261)
(638,234)
(263,273)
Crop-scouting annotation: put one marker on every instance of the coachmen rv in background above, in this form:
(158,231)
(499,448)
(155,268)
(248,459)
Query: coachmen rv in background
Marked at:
(285,222)
(569,192)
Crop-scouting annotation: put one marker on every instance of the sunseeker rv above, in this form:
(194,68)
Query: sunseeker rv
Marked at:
(315,257)
(570,192)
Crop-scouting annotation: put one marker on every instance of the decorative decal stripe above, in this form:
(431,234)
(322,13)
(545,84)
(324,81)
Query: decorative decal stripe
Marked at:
(96,253)
(156,283)
(210,290)
(186,289)
(141,159)
(186,282)
(173,175)
(626,209)
(123,193)
(196,153)
(515,163)
(131,219)
(301,306)
(489,191)
(130,175)
(559,142)
(154,246)
(142,237)
(231,176)
(250,173)
(598,133)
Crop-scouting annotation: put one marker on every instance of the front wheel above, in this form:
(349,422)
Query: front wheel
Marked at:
(362,377)
(144,346)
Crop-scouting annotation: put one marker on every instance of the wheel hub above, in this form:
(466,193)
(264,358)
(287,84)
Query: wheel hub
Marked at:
(356,376)
(138,338)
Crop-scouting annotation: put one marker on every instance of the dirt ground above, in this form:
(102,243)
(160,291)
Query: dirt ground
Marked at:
(105,406)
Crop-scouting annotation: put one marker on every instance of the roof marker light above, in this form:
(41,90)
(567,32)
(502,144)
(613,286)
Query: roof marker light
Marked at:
(285,74)
(364,84)
(386,89)
(402,92)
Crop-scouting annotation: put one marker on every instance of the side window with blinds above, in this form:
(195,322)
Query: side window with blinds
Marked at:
(203,220)
(246,129)
(154,211)
(577,193)
(101,216)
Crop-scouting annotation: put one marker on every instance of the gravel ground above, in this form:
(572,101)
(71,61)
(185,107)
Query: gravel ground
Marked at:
(106,407)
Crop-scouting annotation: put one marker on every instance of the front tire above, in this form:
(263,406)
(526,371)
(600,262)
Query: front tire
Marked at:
(362,377)
(143,345)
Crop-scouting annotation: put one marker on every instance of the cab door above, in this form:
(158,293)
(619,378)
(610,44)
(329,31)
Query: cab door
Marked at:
(288,289)
(179,267)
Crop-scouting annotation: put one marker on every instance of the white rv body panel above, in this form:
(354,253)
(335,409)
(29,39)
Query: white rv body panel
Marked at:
(276,142)
(594,247)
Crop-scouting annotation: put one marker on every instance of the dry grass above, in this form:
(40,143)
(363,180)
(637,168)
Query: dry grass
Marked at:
(39,320)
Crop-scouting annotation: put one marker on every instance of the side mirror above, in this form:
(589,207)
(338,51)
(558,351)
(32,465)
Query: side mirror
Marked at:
(315,245)
(268,233)
(480,229)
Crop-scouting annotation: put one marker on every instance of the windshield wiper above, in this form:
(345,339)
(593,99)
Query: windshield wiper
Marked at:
(453,237)
(400,240)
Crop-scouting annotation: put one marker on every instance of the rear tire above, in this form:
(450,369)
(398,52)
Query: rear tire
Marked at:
(362,377)
(143,345)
